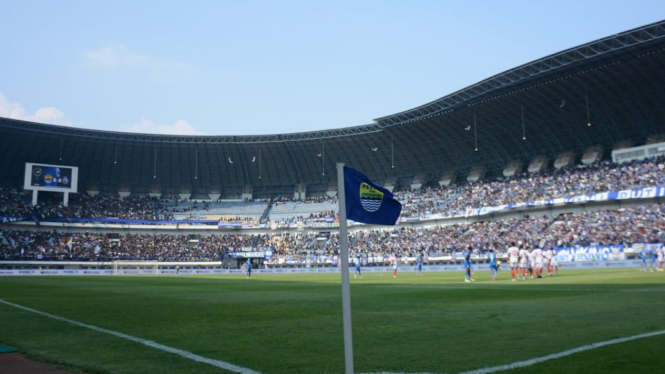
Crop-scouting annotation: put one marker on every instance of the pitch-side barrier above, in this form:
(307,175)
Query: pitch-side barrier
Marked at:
(211,268)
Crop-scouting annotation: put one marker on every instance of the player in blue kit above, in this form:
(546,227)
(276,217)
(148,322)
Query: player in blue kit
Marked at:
(652,259)
(358,273)
(419,264)
(248,265)
(494,268)
(643,257)
(467,264)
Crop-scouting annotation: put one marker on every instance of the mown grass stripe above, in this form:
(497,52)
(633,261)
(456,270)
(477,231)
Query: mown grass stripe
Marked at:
(149,343)
(553,356)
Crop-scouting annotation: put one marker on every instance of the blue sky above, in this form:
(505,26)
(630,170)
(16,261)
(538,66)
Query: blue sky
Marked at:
(265,67)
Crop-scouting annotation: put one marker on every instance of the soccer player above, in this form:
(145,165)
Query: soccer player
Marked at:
(513,255)
(248,265)
(494,269)
(524,260)
(643,257)
(419,264)
(395,260)
(467,264)
(358,273)
(548,261)
(538,261)
(554,265)
(531,261)
(660,254)
(652,258)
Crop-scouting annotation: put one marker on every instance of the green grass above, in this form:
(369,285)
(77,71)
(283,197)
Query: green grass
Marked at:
(278,324)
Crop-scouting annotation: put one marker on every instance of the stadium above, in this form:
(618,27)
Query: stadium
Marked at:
(565,153)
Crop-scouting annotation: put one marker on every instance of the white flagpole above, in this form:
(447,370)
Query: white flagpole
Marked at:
(344,254)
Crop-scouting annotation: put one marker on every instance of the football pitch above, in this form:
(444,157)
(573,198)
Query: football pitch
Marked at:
(279,324)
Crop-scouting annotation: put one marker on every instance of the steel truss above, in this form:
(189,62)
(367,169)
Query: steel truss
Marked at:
(151,138)
(593,49)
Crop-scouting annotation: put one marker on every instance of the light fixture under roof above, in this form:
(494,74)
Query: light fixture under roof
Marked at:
(588,114)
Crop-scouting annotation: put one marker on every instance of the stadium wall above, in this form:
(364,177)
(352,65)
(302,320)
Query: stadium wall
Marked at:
(212,270)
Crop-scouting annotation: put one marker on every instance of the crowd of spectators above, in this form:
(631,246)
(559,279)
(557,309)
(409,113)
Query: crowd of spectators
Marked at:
(622,226)
(85,206)
(311,210)
(427,201)
(13,203)
(52,245)
(445,201)
(603,176)
(642,224)
(457,199)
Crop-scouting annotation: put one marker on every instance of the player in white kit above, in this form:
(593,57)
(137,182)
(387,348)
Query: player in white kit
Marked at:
(513,256)
(553,264)
(538,261)
(532,264)
(660,253)
(548,260)
(524,261)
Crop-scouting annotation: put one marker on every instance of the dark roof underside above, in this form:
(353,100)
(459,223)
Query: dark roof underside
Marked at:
(620,91)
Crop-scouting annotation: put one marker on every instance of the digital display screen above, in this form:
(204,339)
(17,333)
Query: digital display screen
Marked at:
(51,176)
(43,177)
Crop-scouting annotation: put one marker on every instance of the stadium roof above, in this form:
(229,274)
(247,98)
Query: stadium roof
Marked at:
(615,84)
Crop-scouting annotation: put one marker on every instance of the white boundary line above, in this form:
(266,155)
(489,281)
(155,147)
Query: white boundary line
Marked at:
(242,370)
(553,356)
(563,354)
(149,343)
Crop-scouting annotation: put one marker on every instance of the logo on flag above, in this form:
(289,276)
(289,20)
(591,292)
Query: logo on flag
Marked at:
(370,198)
(367,202)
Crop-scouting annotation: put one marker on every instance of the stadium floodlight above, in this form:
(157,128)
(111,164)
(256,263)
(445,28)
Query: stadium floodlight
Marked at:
(588,114)
(523,126)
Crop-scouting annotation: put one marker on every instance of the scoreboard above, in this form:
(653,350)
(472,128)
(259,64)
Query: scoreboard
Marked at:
(58,178)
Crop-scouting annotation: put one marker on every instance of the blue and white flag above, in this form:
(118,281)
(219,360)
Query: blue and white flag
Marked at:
(367,202)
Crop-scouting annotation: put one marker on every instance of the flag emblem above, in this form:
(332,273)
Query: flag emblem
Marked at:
(367,202)
(370,197)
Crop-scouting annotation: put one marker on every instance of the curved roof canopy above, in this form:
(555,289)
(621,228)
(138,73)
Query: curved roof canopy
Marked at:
(600,93)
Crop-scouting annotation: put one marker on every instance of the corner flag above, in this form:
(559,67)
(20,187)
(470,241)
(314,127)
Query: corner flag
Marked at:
(367,202)
(362,201)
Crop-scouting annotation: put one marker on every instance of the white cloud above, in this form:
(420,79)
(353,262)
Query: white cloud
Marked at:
(118,56)
(180,127)
(55,116)
(49,115)
(115,56)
